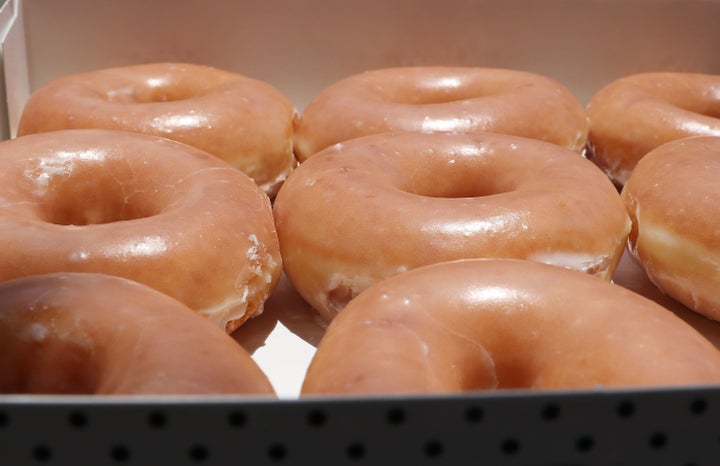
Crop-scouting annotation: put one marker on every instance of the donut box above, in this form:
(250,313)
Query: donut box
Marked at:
(301,47)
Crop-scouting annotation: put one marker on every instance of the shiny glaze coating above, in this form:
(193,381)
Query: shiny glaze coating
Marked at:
(145,208)
(635,114)
(375,206)
(672,198)
(504,324)
(441,99)
(245,122)
(75,333)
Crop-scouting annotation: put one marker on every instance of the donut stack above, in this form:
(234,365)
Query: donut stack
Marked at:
(453,228)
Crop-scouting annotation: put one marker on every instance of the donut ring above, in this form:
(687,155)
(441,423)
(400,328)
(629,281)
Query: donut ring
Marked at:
(59,333)
(245,122)
(502,324)
(141,207)
(372,207)
(672,199)
(441,99)
(635,114)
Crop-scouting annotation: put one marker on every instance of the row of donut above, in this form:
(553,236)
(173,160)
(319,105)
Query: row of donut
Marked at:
(624,121)
(184,223)
(255,128)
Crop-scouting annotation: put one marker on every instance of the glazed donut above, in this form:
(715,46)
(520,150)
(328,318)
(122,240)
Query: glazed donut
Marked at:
(141,207)
(632,115)
(630,275)
(672,198)
(504,324)
(441,99)
(246,122)
(59,333)
(374,206)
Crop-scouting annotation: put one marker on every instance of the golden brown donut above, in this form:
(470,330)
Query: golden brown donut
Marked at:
(635,114)
(461,99)
(246,122)
(372,207)
(630,274)
(672,198)
(142,207)
(75,333)
(504,324)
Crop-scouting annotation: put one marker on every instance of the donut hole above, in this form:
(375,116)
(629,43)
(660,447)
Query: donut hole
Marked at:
(93,212)
(446,190)
(438,90)
(164,93)
(712,111)
(428,96)
(458,176)
(686,97)
(158,89)
(86,195)
(81,207)
(55,358)
(697,107)
(42,374)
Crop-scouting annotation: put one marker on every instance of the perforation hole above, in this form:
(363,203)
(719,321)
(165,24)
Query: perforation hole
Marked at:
(658,440)
(198,453)
(157,419)
(585,443)
(474,414)
(77,420)
(4,419)
(42,453)
(395,416)
(625,409)
(698,406)
(120,454)
(277,452)
(316,418)
(356,451)
(434,448)
(510,446)
(550,412)
(236,419)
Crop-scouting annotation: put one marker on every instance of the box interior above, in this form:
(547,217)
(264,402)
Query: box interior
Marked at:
(301,47)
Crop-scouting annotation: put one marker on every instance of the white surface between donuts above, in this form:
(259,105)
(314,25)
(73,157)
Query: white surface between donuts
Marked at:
(285,349)
(284,358)
(282,339)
